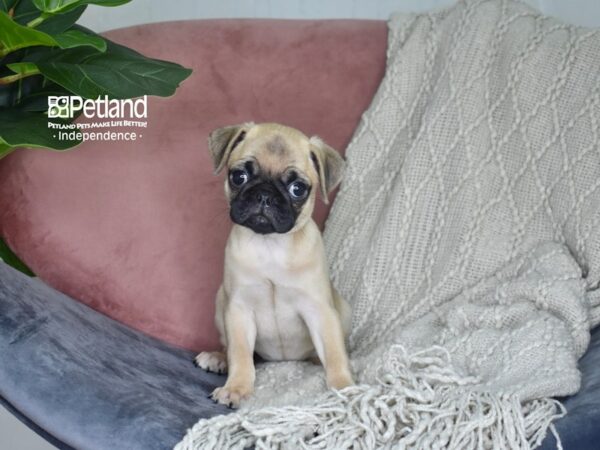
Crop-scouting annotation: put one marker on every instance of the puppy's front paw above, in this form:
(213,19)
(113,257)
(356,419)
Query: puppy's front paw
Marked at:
(212,361)
(339,380)
(231,396)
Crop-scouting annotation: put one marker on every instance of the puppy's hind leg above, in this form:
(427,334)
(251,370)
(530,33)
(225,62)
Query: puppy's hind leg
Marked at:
(344,310)
(212,361)
(327,335)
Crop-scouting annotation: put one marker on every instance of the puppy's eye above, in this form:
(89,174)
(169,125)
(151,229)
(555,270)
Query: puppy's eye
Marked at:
(297,189)
(238,177)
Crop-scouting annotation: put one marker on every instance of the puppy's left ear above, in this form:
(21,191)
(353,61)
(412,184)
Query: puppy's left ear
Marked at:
(222,141)
(329,165)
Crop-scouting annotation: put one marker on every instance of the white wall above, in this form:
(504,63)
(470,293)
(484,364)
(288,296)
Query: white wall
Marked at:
(14,435)
(581,12)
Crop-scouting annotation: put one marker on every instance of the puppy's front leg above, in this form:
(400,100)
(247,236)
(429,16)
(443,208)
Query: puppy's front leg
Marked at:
(241,335)
(327,336)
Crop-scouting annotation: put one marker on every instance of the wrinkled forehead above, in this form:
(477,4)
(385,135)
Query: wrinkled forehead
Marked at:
(275,150)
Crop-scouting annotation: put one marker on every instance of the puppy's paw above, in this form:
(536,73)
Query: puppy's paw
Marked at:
(231,395)
(212,361)
(339,380)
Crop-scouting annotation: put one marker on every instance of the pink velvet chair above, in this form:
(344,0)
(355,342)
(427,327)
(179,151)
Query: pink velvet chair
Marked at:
(137,230)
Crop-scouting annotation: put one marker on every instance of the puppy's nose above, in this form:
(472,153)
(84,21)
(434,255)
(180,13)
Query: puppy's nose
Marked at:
(264,198)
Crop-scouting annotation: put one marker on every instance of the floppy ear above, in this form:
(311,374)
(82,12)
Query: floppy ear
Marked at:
(329,165)
(222,141)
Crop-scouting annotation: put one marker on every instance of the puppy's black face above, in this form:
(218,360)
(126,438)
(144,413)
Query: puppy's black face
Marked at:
(266,203)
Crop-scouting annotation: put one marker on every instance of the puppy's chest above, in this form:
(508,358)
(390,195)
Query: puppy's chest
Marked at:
(261,259)
(271,276)
(276,294)
(281,333)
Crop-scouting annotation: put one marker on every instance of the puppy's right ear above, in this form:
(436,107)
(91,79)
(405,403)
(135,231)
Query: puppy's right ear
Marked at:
(222,141)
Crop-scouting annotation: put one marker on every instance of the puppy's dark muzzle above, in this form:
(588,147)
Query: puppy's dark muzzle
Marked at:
(263,199)
(260,224)
(263,208)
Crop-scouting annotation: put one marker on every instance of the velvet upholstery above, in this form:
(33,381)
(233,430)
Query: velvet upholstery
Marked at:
(89,381)
(83,380)
(137,230)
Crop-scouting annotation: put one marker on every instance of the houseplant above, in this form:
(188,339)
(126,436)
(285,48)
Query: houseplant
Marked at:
(43,52)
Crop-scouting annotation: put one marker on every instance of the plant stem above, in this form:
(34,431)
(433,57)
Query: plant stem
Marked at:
(16,77)
(35,22)
(11,13)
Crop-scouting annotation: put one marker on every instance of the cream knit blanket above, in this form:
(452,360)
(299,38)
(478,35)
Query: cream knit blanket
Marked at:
(465,236)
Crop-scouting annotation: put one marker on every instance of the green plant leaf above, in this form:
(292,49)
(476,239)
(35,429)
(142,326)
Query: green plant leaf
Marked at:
(14,36)
(60,22)
(37,99)
(25,11)
(58,57)
(11,95)
(76,38)
(23,68)
(7,5)
(61,6)
(7,255)
(5,149)
(119,72)
(30,129)
(22,11)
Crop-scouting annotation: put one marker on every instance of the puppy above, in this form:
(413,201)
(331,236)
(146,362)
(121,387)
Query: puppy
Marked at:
(276,298)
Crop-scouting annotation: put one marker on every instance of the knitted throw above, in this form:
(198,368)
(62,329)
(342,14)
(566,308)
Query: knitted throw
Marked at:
(465,236)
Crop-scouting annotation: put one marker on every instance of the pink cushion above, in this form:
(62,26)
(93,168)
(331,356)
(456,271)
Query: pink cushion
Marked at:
(137,230)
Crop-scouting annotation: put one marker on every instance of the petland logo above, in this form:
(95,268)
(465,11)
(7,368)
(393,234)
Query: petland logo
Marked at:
(68,106)
(111,120)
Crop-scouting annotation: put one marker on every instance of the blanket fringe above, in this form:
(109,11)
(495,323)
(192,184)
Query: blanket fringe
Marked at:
(418,402)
